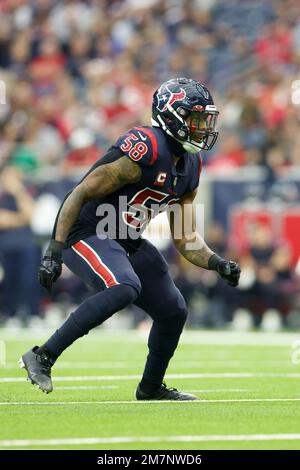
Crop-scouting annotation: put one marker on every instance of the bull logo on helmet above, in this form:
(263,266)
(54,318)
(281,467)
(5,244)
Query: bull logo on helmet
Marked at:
(166,98)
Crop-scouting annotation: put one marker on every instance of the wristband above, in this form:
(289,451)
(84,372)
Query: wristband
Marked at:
(56,246)
(54,250)
(214,262)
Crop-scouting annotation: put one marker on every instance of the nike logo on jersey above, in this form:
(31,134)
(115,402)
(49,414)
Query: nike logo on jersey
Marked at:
(142,136)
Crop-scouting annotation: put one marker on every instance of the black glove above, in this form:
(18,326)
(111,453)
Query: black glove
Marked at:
(228,270)
(50,268)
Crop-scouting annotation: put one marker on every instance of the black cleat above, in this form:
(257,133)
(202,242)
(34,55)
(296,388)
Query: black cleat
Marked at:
(38,369)
(164,393)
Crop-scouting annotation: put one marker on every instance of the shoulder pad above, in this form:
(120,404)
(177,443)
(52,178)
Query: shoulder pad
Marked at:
(140,145)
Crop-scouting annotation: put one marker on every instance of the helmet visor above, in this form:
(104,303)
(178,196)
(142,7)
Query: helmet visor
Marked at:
(202,127)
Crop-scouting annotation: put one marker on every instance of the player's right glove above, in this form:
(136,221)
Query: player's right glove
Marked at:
(228,270)
(50,268)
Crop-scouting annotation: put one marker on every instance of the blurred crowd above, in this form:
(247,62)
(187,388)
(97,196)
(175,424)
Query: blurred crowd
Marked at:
(75,74)
(268,296)
(78,73)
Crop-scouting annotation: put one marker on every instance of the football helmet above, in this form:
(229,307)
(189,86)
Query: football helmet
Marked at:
(185,110)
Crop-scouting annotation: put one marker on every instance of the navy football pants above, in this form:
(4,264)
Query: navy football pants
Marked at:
(118,279)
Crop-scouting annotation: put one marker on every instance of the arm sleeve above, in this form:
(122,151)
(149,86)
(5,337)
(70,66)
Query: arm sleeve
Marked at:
(140,145)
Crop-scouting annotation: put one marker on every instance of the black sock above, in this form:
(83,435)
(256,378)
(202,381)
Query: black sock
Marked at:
(43,351)
(149,387)
(162,343)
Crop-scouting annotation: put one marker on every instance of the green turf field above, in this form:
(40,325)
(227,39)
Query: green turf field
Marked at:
(248,385)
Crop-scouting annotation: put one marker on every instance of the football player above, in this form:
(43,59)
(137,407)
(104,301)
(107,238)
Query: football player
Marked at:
(151,168)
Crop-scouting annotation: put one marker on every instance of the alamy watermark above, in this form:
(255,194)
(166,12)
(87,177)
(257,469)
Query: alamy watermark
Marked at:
(129,220)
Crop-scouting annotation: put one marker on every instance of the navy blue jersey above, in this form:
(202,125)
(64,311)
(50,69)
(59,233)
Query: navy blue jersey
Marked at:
(162,183)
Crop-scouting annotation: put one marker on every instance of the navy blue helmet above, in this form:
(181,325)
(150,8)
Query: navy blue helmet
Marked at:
(185,110)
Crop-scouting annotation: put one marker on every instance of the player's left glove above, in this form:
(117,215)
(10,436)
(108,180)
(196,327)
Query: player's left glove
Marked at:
(228,270)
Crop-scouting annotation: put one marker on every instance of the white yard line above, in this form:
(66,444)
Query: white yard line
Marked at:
(145,402)
(83,365)
(184,364)
(221,390)
(132,439)
(87,387)
(217,375)
(189,337)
